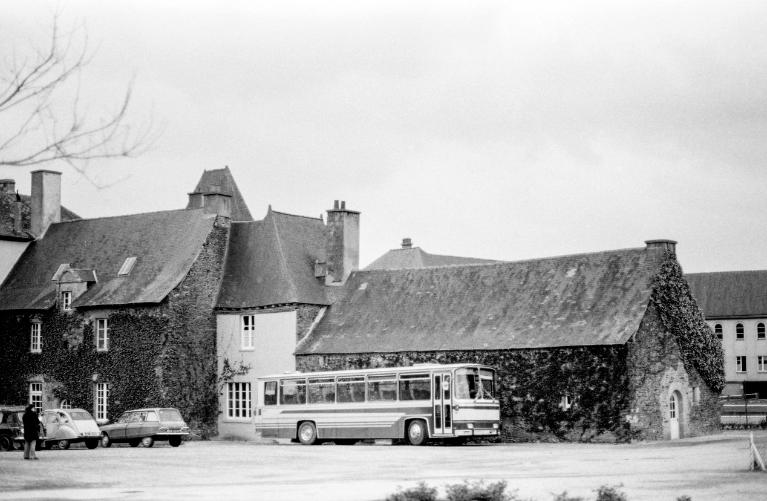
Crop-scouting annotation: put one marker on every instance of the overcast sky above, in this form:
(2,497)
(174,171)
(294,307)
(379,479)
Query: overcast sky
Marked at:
(505,130)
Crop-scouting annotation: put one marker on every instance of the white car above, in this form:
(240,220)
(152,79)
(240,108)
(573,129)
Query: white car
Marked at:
(65,426)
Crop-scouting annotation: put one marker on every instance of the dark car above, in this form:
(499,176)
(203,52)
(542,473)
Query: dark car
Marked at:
(145,426)
(11,427)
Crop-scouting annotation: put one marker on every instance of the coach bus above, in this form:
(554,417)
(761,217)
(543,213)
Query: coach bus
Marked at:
(416,403)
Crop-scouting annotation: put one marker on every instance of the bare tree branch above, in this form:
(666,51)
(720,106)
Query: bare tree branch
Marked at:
(41,116)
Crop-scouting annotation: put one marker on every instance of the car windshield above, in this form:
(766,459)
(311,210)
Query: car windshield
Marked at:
(475,383)
(80,416)
(170,415)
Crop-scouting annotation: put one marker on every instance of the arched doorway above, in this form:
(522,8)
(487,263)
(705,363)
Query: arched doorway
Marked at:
(674,411)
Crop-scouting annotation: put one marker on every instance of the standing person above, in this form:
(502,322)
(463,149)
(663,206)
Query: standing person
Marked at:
(31,426)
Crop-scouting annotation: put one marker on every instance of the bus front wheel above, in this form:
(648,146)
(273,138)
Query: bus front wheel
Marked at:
(416,432)
(307,433)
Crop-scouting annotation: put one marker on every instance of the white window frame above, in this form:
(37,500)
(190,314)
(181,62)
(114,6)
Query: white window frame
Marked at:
(36,337)
(239,403)
(740,332)
(761,363)
(761,334)
(102,334)
(36,395)
(741,364)
(102,399)
(247,332)
(719,331)
(66,300)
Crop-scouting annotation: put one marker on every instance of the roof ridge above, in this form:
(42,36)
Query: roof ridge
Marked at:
(82,220)
(297,215)
(283,260)
(725,272)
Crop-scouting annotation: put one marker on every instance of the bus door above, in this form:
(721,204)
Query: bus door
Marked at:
(443,419)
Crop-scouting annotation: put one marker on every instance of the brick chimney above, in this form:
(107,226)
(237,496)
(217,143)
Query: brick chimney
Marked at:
(342,244)
(661,244)
(18,222)
(213,203)
(46,200)
(407,243)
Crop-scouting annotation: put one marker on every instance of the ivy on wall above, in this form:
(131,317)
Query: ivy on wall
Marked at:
(679,313)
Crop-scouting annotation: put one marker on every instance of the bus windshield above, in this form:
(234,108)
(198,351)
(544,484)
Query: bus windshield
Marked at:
(475,384)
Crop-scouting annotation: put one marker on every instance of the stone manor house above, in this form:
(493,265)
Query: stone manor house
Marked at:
(187,307)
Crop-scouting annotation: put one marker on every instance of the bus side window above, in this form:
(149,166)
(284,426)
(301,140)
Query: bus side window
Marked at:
(270,393)
(414,387)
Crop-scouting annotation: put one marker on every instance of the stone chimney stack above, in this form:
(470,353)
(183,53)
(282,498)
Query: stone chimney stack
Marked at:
(18,223)
(46,200)
(342,244)
(661,244)
(407,243)
(213,203)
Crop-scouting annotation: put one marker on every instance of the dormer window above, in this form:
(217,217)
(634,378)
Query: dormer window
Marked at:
(66,301)
(127,266)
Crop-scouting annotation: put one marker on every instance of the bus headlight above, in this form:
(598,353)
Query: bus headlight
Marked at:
(470,426)
(495,426)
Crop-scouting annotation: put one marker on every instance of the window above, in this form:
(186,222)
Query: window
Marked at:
(739,332)
(761,363)
(760,331)
(127,266)
(36,395)
(66,301)
(36,341)
(718,331)
(247,334)
(270,393)
(238,401)
(102,334)
(292,391)
(740,364)
(672,407)
(382,387)
(416,387)
(102,395)
(322,390)
(351,389)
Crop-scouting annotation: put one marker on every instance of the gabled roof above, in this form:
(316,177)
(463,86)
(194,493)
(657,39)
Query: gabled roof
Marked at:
(8,211)
(272,262)
(221,181)
(165,244)
(415,257)
(730,294)
(585,299)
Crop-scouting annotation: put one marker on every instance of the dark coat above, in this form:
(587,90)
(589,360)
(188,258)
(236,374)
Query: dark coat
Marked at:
(31,425)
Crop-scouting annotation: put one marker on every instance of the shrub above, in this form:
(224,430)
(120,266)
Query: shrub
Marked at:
(478,491)
(421,492)
(610,493)
(565,497)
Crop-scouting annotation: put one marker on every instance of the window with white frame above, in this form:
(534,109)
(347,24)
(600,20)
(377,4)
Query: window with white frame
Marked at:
(761,363)
(35,337)
(102,395)
(102,334)
(36,395)
(238,401)
(66,300)
(740,363)
(247,332)
(739,332)
(760,331)
(718,331)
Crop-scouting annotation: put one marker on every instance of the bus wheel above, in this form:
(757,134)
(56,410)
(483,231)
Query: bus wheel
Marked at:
(307,433)
(416,432)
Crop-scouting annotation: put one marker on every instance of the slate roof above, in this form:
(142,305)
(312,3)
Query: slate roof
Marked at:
(8,211)
(415,257)
(271,262)
(730,294)
(166,245)
(577,300)
(221,181)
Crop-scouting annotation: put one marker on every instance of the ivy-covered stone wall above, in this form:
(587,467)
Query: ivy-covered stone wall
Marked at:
(159,355)
(532,384)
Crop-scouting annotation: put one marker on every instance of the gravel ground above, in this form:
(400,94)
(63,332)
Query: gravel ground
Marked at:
(710,468)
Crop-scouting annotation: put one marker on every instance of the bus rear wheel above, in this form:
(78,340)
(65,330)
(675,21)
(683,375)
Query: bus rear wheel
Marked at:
(416,432)
(307,433)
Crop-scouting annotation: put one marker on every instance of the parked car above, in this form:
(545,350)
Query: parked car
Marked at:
(145,426)
(11,427)
(63,427)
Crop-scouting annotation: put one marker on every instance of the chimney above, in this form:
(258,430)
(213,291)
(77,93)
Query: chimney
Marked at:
(661,244)
(342,244)
(46,200)
(18,224)
(217,203)
(407,243)
(7,186)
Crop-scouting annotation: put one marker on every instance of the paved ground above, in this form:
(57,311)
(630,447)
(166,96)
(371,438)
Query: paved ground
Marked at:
(714,468)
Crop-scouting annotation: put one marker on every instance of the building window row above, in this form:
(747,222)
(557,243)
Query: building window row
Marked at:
(741,363)
(740,331)
(36,338)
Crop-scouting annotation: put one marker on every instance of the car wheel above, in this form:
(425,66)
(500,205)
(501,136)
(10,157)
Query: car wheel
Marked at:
(6,443)
(416,432)
(105,440)
(134,443)
(92,443)
(63,444)
(174,441)
(307,433)
(147,441)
